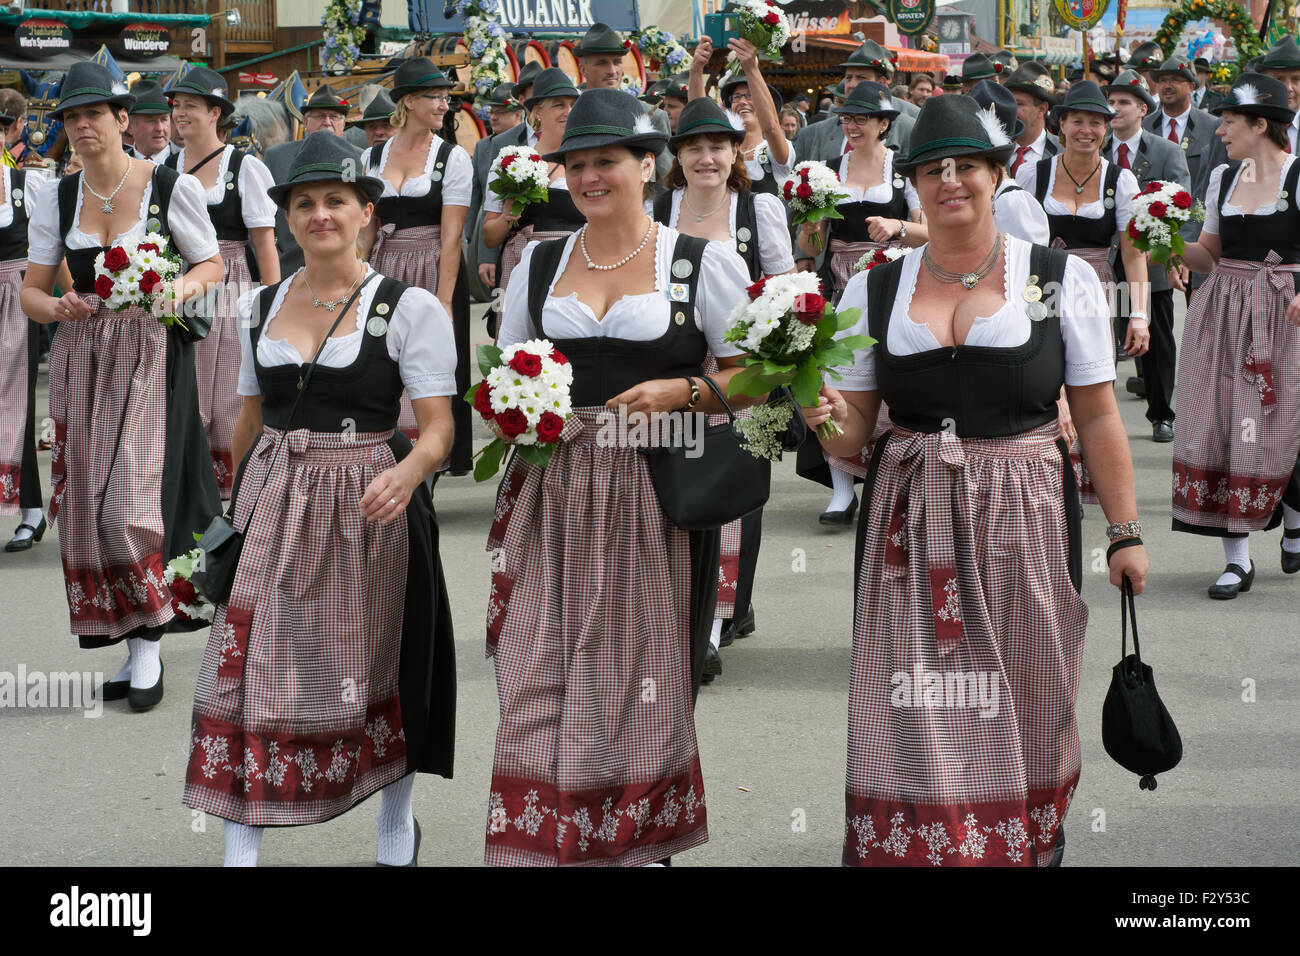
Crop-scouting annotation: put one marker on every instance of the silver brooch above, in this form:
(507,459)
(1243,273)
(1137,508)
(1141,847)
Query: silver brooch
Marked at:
(230,185)
(437,165)
(435,176)
(682,268)
(1108,203)
(679,318)
(153,225)
(898,182)
(18,194)
(230,176)
(742,247)
(1282,205)
(376,326)
(743,232)
(153,210)
(1037,311)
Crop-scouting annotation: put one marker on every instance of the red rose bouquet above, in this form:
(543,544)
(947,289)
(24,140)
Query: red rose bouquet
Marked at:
(525,393)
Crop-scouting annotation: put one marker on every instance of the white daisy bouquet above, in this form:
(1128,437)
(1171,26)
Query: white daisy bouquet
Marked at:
(763,24)
(525,393)
(140,275)
(878,257)
(187,600)
(787,330)
(521,176)
(811,193)
(1159,211)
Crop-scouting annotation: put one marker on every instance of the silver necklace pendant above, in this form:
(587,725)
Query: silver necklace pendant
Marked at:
(328,306)
(107,208)
(1078,190)
(969,280)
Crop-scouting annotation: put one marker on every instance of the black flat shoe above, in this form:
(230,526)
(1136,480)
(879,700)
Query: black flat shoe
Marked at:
(1290,560)
(1162,432)
(1135,386)
(1226,592)
(844,517)
(114,689)
(415,857)
(25,544)
(712,665)
(142,699)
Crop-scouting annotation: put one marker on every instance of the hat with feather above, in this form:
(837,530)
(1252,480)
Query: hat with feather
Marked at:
(605,117)
(1257,95)
(951,126)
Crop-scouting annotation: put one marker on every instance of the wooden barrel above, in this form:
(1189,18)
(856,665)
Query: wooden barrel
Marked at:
(513,68)
(445,46)
(469,128)
(633,66)
(560,53)
(529,51)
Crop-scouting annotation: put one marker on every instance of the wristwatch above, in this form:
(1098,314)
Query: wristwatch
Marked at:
(695,393)
(1124,529)
(902,229)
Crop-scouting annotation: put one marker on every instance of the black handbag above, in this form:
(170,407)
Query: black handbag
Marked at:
(221,543)
(724,482)
(1136,729)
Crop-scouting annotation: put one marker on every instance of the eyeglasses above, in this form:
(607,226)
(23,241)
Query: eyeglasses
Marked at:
(742,96)
(855,119)
(436,97)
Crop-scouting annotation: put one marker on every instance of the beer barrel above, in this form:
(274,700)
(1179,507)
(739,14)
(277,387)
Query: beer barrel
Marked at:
(469,128)
(634,66)
(513,62)
(529,51)
(446,46)
(560,53)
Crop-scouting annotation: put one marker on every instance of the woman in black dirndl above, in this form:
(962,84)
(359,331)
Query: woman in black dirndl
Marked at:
(597,599)
(1088,200)
(20,347)
(132,479)
(329,673)
(235,186)
(548,107)
(968,561)
(1237,450)
(707,195)
(427,185)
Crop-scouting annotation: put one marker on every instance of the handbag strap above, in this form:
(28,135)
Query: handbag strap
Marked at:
(206,159)
(717,390)
(303,381)
(1127,612)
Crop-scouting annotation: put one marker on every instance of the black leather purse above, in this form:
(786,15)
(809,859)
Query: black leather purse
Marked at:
(723,483)
(221,543)
(1136,729)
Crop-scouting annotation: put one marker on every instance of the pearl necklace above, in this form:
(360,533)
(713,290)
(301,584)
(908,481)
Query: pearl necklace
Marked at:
(107,201)
(582,241)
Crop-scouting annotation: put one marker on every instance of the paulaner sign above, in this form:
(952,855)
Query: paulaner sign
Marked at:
(530,16)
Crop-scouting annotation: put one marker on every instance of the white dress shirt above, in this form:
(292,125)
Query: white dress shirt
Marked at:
(1181,120)
(1132,145)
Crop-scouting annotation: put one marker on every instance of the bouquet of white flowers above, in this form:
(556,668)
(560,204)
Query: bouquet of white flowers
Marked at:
(525,392)
(763,24)
(1159,211)
(140,275)
(812,193)
(521,176)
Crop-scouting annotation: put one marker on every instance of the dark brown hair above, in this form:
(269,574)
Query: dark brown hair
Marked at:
(737,180)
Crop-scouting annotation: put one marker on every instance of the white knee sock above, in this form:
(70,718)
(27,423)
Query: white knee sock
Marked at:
(31,516)
(842,494)
(1290,521)
(715,638)
(396,822)
(146,661)
(125,672)
(242,844)
(1237,551)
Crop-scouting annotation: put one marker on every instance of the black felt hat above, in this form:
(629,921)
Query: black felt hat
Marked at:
(951,83)
(836,91)
(379,108)
(1177,66)
(873,56)
(528,74)
(606,117)
(1004,61)
(325,98)
(1202,65)
(551,82)
(503,96)
(1282,55)
(208,85)
(676,87)
(1001,102)
(1146,56)
(730,82)
(601,38)
(325,158)
(1254,94)
(415,74)
(86,83)
(868,99)
(150,99)
(1033,78)
(977,67)
(702,115)
(1085,96)
(953,125)
(1130,81)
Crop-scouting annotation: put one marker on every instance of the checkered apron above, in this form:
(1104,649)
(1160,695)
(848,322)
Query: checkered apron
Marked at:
(411,256)
(963,593)
(857,466)
(596,760)
(296,709)
(845,255)
(514,249)
(108,399)
(13,383)
(216,362)
(1237,421)
(1098,258)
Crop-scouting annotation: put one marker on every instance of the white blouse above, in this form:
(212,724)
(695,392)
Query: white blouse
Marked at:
(254,180)
(457,178)
(419,340)
(1018,213)
(883,191)
(1085,321)
(494,203)
(191,230)
(36,184)
(638,318)
(780,171)
(1213,193)
(1126,187)
(774,255)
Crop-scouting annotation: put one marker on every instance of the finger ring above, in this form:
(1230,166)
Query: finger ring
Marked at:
(392,501)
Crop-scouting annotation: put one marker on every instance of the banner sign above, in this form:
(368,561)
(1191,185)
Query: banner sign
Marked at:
(145,39)
(268,80)
(529,16)
(911,16)
(1081,14)
(38,35)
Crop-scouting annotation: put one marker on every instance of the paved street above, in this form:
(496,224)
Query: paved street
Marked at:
(77,791)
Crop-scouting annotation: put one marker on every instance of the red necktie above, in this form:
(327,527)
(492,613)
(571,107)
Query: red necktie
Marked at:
(1020,158)
(1173,131)
(1123,156)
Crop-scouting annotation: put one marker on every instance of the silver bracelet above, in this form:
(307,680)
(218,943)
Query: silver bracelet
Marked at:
(1124,529)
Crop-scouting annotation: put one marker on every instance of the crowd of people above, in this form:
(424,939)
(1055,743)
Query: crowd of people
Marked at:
(312,392)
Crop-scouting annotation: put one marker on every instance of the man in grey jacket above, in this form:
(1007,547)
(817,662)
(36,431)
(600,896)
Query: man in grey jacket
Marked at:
(824,141)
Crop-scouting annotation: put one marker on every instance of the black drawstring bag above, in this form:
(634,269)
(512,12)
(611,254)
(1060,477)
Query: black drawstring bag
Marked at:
(1136,729)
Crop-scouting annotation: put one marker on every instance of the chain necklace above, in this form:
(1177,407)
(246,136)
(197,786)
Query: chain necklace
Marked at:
(107,201)
(332,304)
(701,216)
(1078,186)
(582,241)
(967,279)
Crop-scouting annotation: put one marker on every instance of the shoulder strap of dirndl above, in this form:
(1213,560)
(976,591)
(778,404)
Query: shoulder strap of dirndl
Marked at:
(18,180)
(882,287)
(690,248)
(1043,175)
(1225,183)
(663,207)
(1049,265)
(541,272)
(376,155)
(440,162)
(68,187)
(1013,188)
(747,218)
(236,163)
(164,181)
(389,292)
(261,306)
(172,159)
(1108,191)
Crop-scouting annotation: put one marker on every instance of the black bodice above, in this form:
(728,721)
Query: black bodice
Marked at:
(853,227)
(975,391)
(1252,237)
(362,397)
(13,237)
(407,212)
(1080,231)
(228,215)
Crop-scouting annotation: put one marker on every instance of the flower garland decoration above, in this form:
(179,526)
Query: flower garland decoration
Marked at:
(662,48)
(485,39)
(629,84)
(1244,36)
(343,37)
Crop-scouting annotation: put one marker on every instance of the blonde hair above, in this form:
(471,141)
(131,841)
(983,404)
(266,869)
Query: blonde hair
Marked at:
(534,114)
(398,119)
